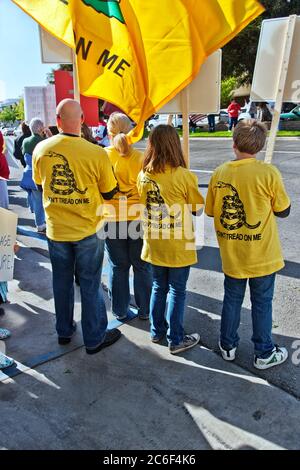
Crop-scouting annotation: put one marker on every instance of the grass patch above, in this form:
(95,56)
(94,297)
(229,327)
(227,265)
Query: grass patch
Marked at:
(227,134)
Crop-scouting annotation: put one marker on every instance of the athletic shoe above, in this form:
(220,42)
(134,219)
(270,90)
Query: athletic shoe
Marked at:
(4,333)
(227,354)
(189,341)
(111,337)
(278,356)
(63,341)
(157,339)
(41,228)
(5,361)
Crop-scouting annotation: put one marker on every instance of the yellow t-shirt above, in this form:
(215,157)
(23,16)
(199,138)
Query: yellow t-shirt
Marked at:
(169,199)
(73,174)
(125,204)
(242,197)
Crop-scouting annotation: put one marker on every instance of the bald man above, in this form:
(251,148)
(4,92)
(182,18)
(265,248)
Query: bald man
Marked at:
(76,176)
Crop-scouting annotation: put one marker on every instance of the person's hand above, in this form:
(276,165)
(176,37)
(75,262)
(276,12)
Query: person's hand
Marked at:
(16,248)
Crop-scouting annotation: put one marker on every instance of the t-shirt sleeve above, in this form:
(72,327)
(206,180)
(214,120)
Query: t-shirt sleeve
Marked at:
(210,200)
(107,181)
(36,176)
(194,197)
(280,198)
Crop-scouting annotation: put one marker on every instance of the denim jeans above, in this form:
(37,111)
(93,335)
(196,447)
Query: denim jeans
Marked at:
(87,254)
(35,202)
(261,292)
(124,251)
(170,281)
(232,122)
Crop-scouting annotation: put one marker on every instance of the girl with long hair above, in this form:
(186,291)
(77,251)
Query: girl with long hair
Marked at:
(169,192)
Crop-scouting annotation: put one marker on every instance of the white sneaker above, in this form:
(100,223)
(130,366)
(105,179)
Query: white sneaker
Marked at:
(278,356)
(41,228)
(228,355)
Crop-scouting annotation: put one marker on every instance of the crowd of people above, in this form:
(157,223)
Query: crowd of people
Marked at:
(139,208)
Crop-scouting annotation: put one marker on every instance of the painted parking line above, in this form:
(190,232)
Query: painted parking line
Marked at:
(202,171)
(30,233)
(19,368)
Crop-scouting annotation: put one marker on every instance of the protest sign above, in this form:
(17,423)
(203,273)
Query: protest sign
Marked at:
(8,229)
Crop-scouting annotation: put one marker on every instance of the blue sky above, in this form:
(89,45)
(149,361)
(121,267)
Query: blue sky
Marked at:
(19,52)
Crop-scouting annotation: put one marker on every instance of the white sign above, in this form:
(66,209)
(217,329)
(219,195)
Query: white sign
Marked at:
(54,51)
(204,91)
(270,60)
(8,230)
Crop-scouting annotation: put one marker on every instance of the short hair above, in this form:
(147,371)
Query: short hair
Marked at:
(250,136)
(36,125)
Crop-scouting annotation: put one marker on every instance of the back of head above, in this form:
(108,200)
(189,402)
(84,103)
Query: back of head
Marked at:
(164,148)
(25,129)
(118,126)
(250,136)
(36,126)
(69,116)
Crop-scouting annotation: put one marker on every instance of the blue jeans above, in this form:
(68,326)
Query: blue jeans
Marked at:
(35,202)
(123,252)
(87,254)
(261,292)
(172,281)
(232,122)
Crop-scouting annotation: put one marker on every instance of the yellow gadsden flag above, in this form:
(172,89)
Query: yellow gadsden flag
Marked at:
(138,54)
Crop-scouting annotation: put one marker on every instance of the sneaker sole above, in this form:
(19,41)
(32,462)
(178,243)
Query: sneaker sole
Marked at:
(268,366)
(184,349)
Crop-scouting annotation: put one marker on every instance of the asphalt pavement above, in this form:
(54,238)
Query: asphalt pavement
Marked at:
(135,395)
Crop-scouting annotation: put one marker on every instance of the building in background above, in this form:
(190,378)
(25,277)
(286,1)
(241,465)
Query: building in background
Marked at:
(7,103)
(40,101)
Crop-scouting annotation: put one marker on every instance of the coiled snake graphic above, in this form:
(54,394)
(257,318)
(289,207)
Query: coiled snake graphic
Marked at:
(156,208)
(63,176)
(233,209)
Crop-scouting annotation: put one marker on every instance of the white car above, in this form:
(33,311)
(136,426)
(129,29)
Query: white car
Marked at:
(158,119)
(244,114)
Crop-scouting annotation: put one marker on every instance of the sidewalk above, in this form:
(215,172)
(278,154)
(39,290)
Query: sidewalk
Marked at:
(134,395)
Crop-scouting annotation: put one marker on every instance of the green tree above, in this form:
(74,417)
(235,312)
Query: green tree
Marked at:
(19,109)
(8,114)
(228,85)
(239,54)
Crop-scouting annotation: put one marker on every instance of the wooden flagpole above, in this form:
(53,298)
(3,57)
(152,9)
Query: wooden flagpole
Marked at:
(185,125)
(75,78)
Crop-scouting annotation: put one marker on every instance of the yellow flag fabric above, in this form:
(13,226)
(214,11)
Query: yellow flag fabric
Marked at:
(138,54)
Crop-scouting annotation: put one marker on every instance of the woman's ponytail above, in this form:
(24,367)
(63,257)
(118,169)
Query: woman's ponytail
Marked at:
(118,126)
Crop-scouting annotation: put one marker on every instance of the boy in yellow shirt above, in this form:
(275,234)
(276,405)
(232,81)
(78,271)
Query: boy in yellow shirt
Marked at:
(244,196)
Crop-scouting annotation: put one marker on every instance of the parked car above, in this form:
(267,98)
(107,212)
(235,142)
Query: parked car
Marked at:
(158,119)
(293,115)
(8,131)
(244,114)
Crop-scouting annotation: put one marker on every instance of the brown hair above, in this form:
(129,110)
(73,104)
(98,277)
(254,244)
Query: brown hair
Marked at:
(118,126)
(164,148)
(86,133)
(250,136)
